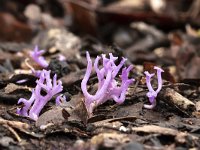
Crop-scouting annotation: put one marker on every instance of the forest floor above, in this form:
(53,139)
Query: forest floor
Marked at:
(141,32)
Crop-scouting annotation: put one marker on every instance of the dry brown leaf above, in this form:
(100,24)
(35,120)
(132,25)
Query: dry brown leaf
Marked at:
(13,87)
(73,77)
(14,30)
(179,136)
(109,139)
(198,106)
(52,116)
(74,110)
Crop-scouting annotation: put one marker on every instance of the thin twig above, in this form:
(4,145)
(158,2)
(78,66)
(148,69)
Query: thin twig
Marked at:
(13,132)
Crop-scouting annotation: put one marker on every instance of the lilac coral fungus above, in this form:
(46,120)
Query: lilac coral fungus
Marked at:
(38,101)
(152,94)
(107,85)
(36,55)
(60,99)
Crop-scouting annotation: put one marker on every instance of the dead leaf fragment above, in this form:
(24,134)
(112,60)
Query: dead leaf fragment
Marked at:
(51,116)
(109,139)
(5,141)
(14,30)
(179,136)
(198,106)
(74,110)
(13,87)
(73,77)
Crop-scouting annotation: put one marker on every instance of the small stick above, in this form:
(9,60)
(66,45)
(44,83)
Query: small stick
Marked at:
(173,98)
(27,64)
(14,124)
(13,132)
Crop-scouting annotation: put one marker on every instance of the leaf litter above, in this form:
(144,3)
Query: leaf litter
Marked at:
(144,33)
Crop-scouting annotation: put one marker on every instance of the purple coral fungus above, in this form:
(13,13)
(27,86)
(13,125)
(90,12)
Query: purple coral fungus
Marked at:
(152,94)
(38,101)
(60,99)
(36,55)
(107,85)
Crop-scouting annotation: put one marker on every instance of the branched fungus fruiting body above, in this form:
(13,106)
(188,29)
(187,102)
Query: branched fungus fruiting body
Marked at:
(35,104)
(152,94)
(36,55)
(107,85)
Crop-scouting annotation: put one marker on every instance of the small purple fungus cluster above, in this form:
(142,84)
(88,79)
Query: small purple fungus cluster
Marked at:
(107,85)
(37,100)
(152,94)
(36,55)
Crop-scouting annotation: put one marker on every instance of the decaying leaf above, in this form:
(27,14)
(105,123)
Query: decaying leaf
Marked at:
(73,77)
(5,141)
(53,116)
(74,110)
(13,87)
(109,140)
(180,137)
